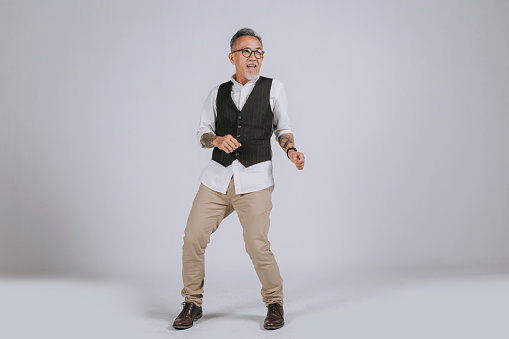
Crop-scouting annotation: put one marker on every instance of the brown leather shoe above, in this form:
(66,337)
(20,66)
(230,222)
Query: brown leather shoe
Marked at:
(275,317)
(189,314)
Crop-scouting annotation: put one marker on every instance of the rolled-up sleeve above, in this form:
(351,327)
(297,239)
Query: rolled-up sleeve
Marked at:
(279,101)
(208,115)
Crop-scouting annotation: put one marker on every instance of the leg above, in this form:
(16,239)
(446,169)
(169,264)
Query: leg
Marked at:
(253,210)
(209,209)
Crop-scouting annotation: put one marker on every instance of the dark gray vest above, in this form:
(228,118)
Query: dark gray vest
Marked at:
(252,126)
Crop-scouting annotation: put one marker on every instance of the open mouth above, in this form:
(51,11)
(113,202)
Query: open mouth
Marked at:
(251,66)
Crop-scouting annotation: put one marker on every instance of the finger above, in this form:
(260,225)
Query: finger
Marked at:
(232,144)
(232,141)
(301,158)
(300,164)
(235,141)
(227,148)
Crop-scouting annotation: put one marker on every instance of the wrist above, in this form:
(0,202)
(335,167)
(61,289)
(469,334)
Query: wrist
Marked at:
(214,141)
(288,151)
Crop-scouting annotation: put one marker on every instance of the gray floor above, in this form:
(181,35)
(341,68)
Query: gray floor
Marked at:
(412,305)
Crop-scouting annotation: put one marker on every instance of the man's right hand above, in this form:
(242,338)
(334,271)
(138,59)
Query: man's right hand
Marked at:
(226,143)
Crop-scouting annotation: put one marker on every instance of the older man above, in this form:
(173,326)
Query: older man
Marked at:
(238,119)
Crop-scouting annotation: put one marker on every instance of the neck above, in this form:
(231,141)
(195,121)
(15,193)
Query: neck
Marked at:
(241,79)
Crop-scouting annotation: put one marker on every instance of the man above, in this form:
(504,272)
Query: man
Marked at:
(238,119)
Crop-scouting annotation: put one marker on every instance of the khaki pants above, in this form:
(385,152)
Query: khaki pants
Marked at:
(209,209)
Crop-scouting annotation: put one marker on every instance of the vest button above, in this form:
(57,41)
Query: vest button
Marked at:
(238,135)
(239,126)
(240,117)
(236,154)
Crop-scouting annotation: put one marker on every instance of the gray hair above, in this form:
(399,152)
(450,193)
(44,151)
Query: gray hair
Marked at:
(243,32)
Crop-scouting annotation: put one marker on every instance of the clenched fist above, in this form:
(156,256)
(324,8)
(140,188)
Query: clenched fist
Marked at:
(297,158)
(226,143)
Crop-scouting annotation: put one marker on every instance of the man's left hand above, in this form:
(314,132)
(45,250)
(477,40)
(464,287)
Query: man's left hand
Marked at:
(297,158)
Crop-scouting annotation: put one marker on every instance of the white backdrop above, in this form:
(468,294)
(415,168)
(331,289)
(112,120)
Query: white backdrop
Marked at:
(401,108)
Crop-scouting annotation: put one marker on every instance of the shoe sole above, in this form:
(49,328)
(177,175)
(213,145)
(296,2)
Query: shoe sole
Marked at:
(273,327)
(198,316)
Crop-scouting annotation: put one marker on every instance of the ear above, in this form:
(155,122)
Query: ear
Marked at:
(231,56)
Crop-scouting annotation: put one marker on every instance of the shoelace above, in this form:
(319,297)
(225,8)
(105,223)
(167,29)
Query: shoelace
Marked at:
(185,310)
(274,309)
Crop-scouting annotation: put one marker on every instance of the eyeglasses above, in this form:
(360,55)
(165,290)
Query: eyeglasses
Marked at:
(246,52)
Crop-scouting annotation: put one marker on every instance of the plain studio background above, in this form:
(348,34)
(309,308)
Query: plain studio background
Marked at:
(401,108)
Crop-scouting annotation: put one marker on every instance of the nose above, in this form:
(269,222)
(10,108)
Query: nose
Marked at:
(252,57)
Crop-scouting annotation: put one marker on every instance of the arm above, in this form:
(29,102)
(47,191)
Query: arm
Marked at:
(206,131)
(282,125)
(226,143)
(207,140)
(286,142)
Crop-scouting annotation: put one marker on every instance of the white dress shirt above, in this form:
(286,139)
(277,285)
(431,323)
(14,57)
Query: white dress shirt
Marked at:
(247,179)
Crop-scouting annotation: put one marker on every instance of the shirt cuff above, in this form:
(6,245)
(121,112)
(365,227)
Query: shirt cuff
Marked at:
(278,133)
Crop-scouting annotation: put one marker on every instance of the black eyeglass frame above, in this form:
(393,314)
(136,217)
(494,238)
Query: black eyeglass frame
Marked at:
(250,52)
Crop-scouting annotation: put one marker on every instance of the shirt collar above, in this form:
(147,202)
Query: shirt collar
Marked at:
(250,82)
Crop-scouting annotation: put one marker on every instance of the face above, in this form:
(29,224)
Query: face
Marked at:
(246,69)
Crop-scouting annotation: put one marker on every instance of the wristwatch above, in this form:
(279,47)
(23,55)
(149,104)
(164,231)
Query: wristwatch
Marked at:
(288,150)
